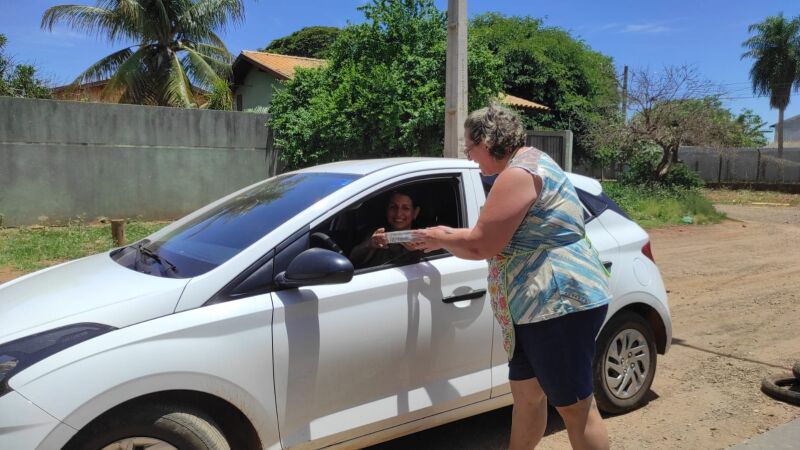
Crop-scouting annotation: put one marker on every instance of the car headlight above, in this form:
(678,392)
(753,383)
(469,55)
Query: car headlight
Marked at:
(16,355)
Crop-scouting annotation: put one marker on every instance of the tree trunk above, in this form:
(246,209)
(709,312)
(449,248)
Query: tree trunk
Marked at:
(780,132)
(663,166)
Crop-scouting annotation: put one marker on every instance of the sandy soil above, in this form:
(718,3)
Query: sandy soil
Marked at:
(734,292)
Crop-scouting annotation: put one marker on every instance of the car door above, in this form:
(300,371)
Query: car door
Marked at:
(393,345)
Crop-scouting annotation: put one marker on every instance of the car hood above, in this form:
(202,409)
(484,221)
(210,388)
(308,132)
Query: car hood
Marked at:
(93,289)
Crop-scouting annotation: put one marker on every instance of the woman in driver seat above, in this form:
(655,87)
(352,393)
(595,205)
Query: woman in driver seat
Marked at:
(401,211)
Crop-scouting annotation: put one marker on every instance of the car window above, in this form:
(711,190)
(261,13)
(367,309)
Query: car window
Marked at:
(222,232)
(597,204)
(440,202)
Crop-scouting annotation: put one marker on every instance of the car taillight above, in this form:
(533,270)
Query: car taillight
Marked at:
(648,252)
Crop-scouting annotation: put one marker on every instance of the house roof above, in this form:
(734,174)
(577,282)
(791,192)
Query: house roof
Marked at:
(518,102)
(790,119)
(282,66)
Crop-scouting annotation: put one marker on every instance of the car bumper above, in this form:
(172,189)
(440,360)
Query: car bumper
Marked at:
(23,425)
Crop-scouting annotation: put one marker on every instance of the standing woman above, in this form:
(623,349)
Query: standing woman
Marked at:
(548,288)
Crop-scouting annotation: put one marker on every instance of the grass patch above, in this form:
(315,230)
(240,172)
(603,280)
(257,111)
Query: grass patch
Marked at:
(651,207)
(746,197)
(32,248)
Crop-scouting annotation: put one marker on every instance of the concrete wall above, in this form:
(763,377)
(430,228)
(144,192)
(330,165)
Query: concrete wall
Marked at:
(731,165)
(743,164)
(60,160)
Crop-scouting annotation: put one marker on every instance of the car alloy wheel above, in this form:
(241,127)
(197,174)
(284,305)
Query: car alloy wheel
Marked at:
(624,363)
(627,363)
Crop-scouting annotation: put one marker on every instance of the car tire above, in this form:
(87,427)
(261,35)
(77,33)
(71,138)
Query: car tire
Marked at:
(624,363)
(147,425)
(783,388)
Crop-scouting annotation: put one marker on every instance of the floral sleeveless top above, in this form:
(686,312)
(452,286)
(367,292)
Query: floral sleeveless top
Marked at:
(549,268)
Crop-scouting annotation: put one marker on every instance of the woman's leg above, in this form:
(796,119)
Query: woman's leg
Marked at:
(529,417)
(585,426)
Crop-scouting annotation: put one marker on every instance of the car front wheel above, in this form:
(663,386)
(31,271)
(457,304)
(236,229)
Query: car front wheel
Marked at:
(624,363)
(152,427)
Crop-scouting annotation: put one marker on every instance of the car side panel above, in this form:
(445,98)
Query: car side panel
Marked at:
(223,350)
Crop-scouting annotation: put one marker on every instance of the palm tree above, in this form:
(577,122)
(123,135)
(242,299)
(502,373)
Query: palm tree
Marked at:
(776,69)
(175,48)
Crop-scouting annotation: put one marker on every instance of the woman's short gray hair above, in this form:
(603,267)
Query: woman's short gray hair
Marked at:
(499,127)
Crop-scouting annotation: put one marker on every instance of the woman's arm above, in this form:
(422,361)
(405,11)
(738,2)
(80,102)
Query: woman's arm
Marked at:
(513,193)
(364,251)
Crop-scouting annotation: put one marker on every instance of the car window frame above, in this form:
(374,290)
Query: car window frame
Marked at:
(461,206)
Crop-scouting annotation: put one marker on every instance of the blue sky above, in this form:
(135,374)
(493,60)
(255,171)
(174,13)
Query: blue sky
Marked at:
(704,33)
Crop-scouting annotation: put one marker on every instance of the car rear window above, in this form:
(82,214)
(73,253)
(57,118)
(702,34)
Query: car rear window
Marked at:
(597,204)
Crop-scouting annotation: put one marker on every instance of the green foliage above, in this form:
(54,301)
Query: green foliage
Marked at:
(176,47)
(311,42)
(549,66)
(382,93)
(19,80)
(657,206)
(775,49)
(642,164)
(751,128)
(220,97)
(28,249)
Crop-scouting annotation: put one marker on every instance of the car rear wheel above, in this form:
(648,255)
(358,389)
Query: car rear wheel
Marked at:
(624,363)
(152,427)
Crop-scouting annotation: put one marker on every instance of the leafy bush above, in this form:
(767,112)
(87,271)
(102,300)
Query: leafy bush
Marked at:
(643,163)
(382,93)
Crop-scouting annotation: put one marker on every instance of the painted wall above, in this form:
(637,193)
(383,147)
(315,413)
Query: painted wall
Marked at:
(61,160)
(257,89)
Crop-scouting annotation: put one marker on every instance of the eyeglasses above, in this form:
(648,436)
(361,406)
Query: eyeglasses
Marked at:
(468,148)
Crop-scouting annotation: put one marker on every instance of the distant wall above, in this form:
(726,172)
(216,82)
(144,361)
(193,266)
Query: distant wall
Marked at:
(727,165)
(755,165)
(60,159)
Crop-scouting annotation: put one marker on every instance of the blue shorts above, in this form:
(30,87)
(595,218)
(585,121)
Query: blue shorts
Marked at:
(558,352)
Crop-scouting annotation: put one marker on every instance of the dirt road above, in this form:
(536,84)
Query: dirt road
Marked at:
(734,292)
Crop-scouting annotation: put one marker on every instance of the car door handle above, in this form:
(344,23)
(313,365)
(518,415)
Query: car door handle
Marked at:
(468,296)
(607,265)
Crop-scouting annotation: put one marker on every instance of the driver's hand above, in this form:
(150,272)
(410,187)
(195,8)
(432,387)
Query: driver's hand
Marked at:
(378,239)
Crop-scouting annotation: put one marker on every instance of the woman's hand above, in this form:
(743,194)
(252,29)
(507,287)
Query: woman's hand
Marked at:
(428,239)
(378,239)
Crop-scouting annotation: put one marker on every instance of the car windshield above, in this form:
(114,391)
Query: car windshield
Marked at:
(214,237)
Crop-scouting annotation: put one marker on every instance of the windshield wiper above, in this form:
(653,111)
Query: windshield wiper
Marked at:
(154,256)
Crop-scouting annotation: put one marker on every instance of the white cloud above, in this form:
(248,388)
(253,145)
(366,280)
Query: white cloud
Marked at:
(648,28)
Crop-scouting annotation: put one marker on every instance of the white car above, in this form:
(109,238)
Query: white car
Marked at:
(243,325)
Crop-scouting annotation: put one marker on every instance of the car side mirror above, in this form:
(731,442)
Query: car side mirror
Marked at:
(316,266)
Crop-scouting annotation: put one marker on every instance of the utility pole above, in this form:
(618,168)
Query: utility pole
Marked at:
(455,112)
(625,93)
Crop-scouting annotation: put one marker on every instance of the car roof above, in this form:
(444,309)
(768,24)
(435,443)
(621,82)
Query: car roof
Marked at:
(367,166)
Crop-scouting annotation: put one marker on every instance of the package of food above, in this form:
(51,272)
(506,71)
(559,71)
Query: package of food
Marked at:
(396,237)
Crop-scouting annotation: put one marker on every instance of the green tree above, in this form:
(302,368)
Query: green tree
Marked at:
(382,93)
(220,97)
(775,49)
(671,108)
(752,129)
(176,46)
(19,80)
(311,42)
(549,66)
